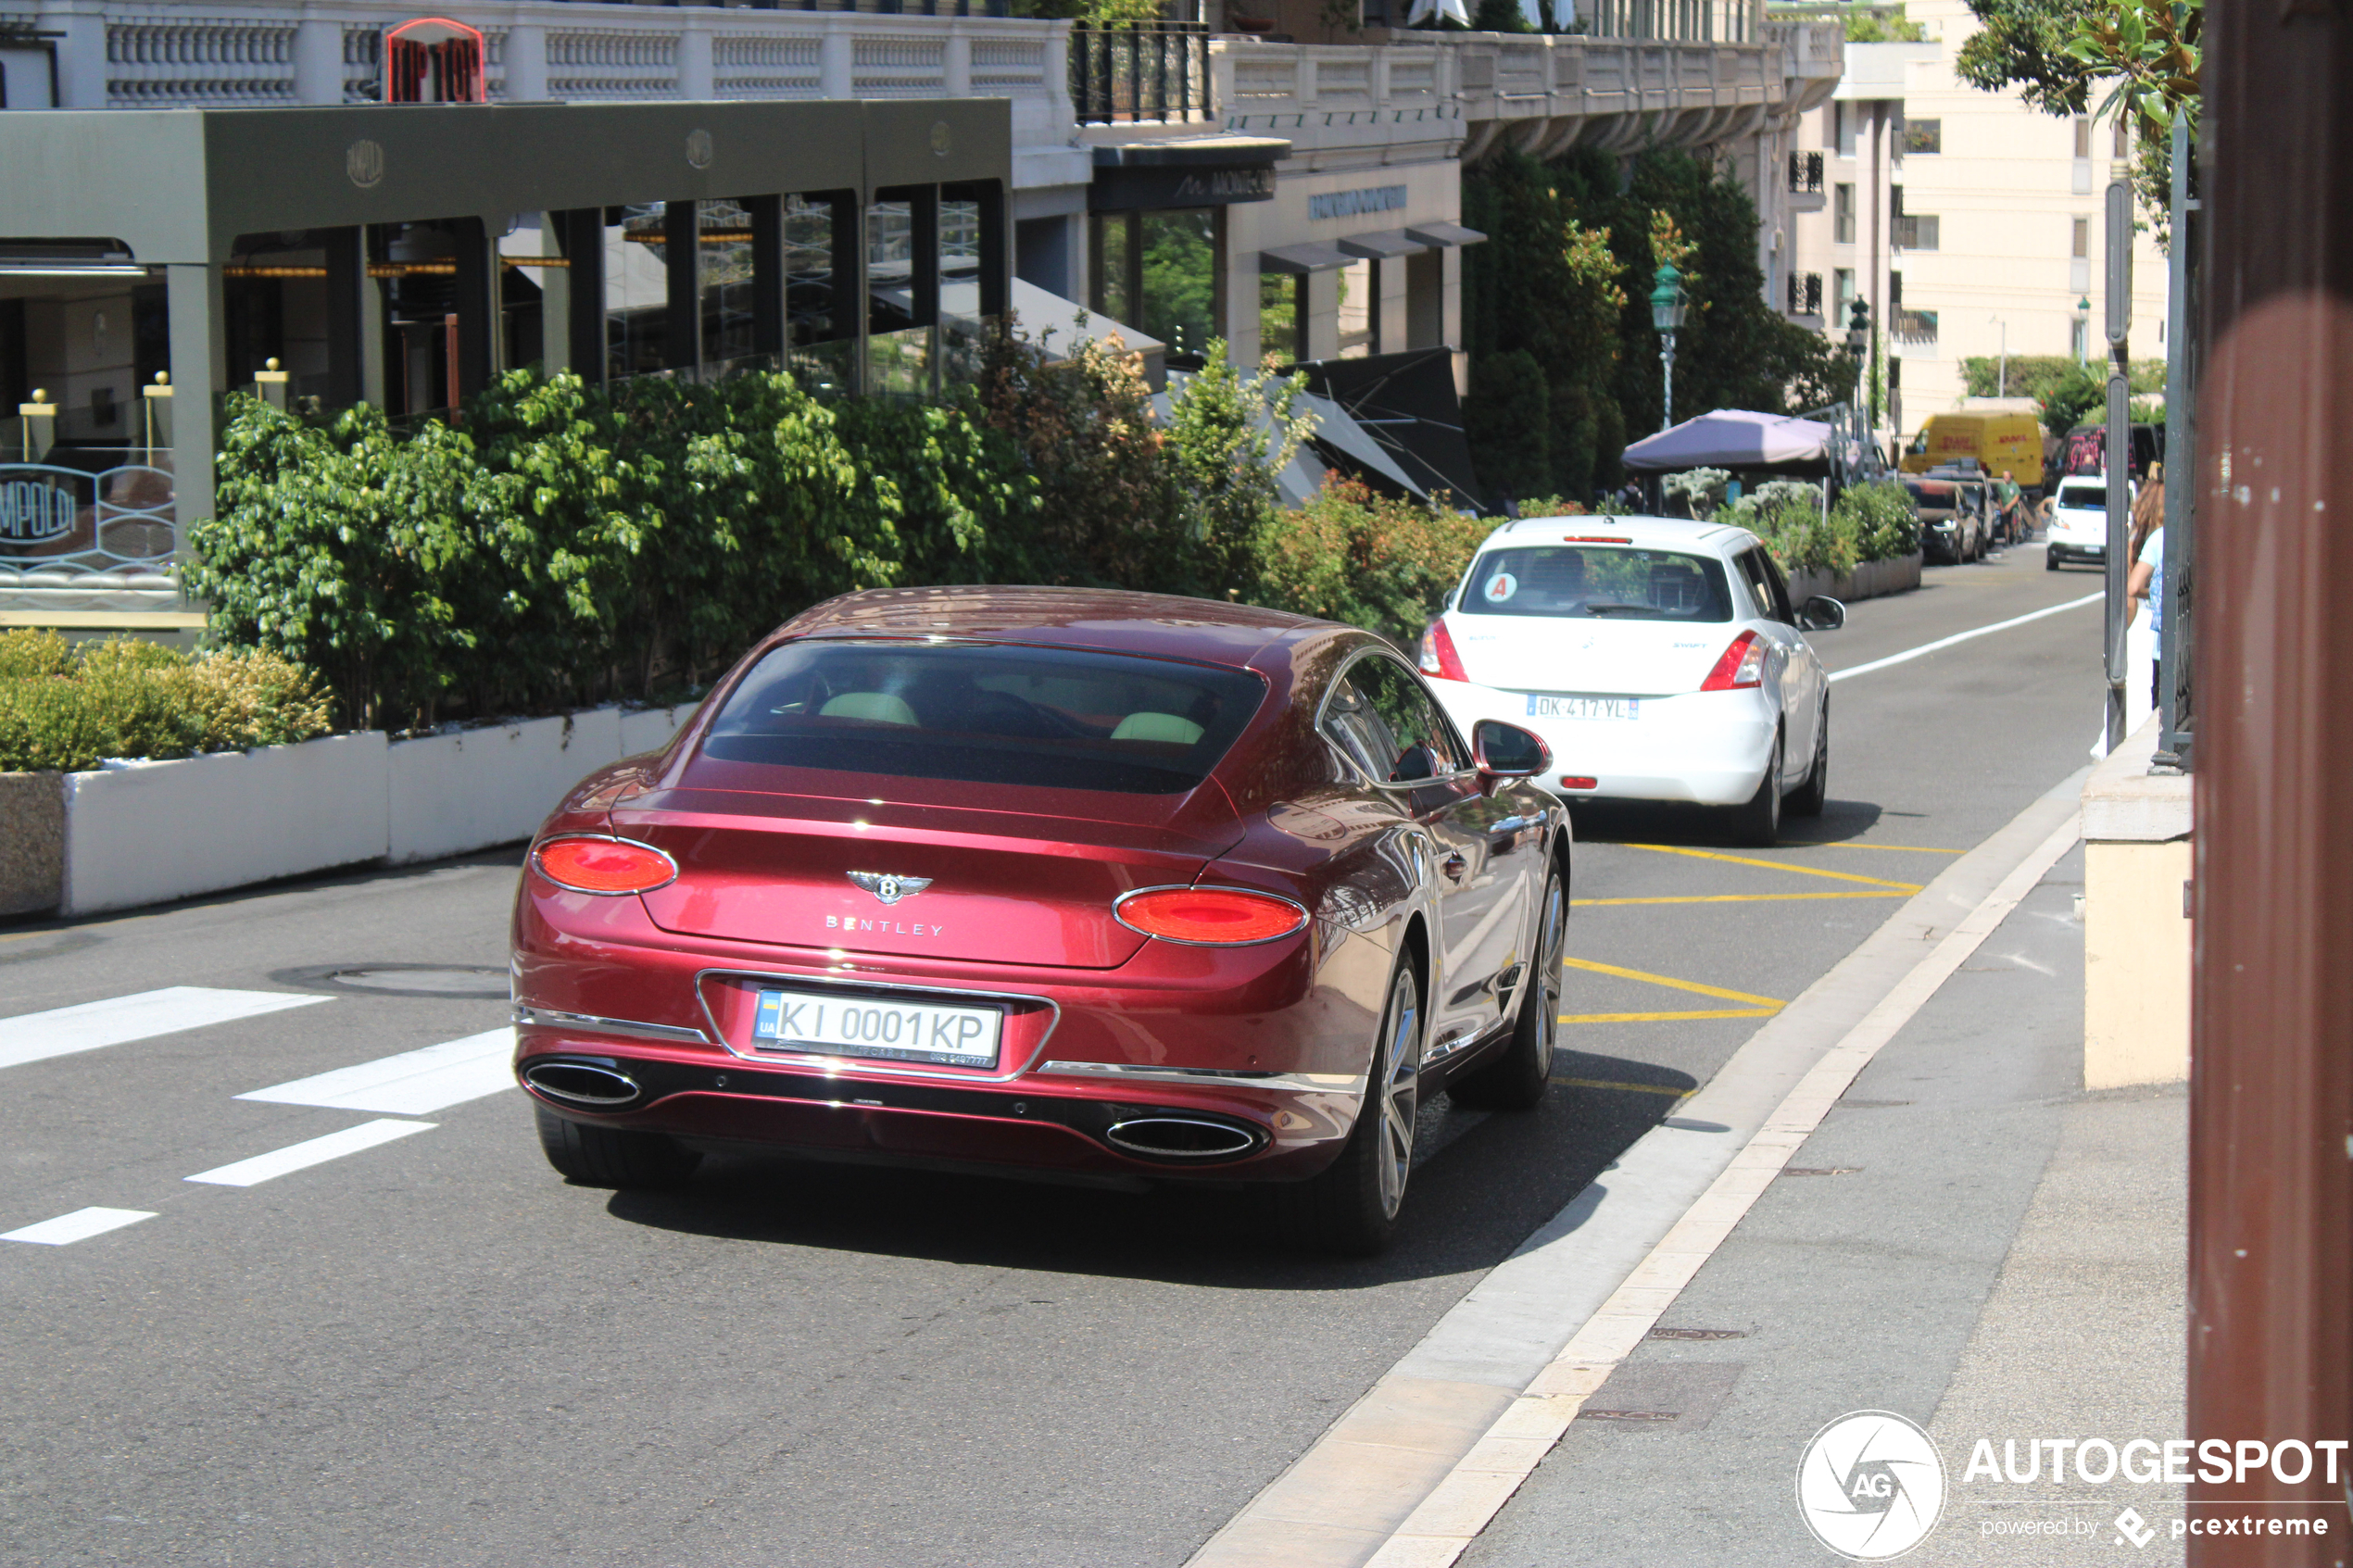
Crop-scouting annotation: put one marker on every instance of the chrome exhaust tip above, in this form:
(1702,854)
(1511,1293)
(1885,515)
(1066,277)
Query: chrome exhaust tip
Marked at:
(577,1082)
(1183,1137)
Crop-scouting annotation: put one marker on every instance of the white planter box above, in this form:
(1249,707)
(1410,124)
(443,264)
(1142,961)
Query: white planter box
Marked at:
(153,831)
(455,793)
(649,729)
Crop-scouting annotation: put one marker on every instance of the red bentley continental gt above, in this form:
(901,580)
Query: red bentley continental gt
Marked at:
(1057,882)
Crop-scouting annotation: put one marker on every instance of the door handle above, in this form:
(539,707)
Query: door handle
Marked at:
(1455,866)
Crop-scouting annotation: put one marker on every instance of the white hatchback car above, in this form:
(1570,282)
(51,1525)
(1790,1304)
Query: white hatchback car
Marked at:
(1660,659)
(2079,522)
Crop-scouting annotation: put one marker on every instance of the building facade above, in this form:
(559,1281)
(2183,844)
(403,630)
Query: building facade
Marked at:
(1972,224)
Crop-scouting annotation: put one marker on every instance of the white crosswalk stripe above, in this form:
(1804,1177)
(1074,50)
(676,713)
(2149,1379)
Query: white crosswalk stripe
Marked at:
(412,1084)
(312,1152)
(80,1225)
(37,1037)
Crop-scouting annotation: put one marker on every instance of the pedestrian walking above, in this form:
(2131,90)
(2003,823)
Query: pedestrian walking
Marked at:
(2008,524)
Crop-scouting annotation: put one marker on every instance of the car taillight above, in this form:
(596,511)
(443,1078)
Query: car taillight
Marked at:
(603,865)
(1568,783)
(1743,664)
(1439,657)
(1209,917)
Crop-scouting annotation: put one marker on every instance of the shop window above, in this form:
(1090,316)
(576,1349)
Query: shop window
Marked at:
(962,315)
(1282,315)
(820,241)
(1157,271)
(902,290)
(637,290)
(725,286)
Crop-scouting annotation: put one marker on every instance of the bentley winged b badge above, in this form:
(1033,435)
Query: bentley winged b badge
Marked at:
(891,889)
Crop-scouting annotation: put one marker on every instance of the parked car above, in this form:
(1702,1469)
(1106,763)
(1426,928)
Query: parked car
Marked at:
(2078,530)
(1084,884)
(1659,659)
(1955,509)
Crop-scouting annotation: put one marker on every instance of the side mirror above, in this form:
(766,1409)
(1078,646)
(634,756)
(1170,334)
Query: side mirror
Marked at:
(1506,751)
(1821,613)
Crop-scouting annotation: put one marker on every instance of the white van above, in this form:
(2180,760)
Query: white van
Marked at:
(2079,522)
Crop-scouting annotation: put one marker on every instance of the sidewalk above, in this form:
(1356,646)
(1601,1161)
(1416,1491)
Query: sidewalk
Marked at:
(1970,1240)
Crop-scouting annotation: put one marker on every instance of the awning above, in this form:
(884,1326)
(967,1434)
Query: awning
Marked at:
(1299,260)
(1381,245)
(1444,235)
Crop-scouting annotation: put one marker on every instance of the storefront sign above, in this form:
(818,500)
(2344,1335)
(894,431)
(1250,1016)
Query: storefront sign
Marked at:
(62,518)
(1133,188)
(1355,204)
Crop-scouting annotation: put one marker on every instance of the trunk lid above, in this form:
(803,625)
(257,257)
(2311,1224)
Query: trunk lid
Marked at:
(1595,654)
(999,884)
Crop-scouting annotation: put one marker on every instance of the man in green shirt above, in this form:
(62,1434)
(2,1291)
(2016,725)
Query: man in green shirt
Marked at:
(2007,528)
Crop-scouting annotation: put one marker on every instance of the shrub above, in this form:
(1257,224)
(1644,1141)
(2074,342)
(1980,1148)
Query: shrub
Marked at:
(127,699)
(1370,561)
(1701,490)
(1886,526)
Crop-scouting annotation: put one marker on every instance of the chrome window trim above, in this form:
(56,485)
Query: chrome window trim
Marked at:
(1285,1082)
(667,859)
(1306,918)
(1322,707)
(550,1017)
(834,1066)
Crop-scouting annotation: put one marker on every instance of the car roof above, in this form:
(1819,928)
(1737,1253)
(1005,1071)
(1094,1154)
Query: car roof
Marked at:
(1107,620)
(1651,533)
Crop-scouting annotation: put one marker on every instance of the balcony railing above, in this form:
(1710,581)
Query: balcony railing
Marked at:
(1688,21)
(1915,326)
(1804,293)
(1916,231)
(1806,173)
(1139,70)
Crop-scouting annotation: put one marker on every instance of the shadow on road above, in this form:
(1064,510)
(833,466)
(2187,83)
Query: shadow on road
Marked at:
(1658,822)
(1467,1209)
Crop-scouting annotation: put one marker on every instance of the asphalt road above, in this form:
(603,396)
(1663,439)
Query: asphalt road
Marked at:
(432,1351)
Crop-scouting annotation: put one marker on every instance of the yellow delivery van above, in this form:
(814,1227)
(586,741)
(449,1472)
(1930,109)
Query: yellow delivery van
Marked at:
(1993,441)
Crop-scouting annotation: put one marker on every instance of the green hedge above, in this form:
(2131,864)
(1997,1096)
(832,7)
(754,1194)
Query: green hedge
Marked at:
(1867,522)
(1353,556)
(66,708)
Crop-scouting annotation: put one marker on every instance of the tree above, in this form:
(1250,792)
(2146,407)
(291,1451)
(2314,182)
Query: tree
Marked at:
(1507,418)
(1230,435)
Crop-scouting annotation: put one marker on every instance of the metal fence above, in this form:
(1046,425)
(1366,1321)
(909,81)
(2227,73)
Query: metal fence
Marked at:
(1139,70)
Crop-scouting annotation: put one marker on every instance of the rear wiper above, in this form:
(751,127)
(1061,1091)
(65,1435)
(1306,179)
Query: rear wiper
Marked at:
(1620,609)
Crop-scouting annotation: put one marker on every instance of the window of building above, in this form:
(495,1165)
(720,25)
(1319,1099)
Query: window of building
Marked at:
(1843,214)
(1894,290)
(1843,289)
(1157,271)
(1895,366)
(2083,138)
(1842,127)
(2081,248)
(1923,137)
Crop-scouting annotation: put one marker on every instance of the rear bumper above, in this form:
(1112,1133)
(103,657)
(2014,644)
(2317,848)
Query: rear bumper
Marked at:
(2064,550)
(1708,748)
(1264,1043)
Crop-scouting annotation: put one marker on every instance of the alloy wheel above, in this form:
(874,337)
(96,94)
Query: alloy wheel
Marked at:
(1401,1076)
(1549,951)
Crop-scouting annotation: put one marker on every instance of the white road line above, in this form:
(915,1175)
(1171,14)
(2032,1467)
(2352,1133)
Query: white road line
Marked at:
(302,1156)
(80,1225)
(36,1036)
(1452,1516)
(412,1084)
(1926,648)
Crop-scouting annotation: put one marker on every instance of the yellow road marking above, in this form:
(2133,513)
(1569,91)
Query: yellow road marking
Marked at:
(1749,998)
(1734,899)
(1907,849)
(1776,866)
(1635,1088)
(1663,1017)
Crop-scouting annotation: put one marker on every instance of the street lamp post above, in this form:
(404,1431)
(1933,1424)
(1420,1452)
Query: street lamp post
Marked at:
(1858,344)
(1667,315)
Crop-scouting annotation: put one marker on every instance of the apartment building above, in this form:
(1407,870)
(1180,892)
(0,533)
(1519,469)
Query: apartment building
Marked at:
(1971,222)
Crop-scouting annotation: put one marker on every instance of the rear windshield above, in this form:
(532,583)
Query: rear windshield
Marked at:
(2092,495)
(1602,581)
(986,714)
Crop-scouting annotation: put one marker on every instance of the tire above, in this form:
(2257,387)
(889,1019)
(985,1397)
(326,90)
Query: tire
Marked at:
(605,1157)
(1815,793)
(1758,823)
(1350,1206)
(2050,560)
(1517,1080)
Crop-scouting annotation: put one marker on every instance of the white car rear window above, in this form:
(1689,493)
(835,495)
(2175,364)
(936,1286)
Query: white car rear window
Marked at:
(1602,581)
(2093,494)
